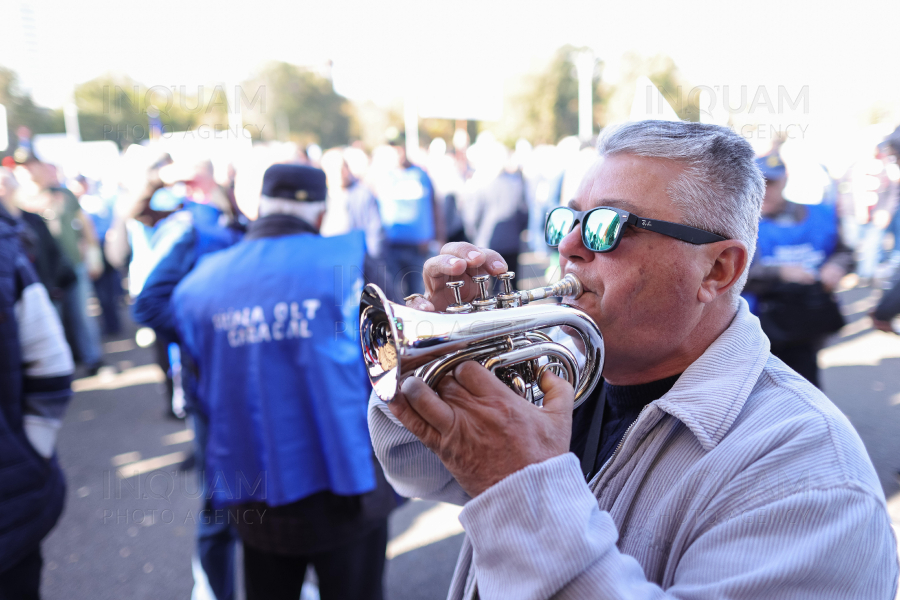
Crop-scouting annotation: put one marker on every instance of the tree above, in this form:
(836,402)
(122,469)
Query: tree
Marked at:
(22,111)
(117,107)
(664,73)
(544,107)
(299,104)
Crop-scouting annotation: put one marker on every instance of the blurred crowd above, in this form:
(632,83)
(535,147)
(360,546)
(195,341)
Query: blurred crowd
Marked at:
(102,245)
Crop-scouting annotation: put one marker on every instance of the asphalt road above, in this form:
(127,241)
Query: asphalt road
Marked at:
(127,529)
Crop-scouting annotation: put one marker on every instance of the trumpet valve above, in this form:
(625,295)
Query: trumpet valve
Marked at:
(508,298)
(459,306)
(484,302)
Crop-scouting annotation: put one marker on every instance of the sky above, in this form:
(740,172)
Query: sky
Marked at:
(841,54)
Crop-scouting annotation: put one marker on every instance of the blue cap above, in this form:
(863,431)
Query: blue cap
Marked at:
(772,167)
(295,182)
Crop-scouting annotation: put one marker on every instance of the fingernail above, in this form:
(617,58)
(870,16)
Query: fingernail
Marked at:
(497,264)
(474,254)
(404,387)
(453,261)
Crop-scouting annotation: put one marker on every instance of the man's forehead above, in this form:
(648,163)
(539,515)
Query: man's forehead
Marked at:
(613,202)
(634,183)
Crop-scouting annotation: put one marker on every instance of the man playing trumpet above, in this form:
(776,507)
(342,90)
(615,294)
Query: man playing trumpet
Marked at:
(703,467)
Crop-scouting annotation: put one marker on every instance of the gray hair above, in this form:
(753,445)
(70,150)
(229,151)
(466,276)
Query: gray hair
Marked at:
(721,189)
(308,211)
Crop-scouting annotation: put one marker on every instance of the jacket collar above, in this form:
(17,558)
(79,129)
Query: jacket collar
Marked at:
(711,392)
(276,225)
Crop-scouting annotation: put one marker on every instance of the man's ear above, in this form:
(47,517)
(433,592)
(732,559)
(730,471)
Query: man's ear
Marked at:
(727,261)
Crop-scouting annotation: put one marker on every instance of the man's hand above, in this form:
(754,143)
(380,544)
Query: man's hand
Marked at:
(830,275)
(457,260)
(480,429)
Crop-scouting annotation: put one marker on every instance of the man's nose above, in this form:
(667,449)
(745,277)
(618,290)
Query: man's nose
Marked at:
(572,248)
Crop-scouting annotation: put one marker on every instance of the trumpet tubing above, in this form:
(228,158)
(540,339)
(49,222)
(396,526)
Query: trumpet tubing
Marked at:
(502,333)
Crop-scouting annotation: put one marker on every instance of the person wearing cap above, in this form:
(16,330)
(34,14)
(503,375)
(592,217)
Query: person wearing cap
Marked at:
(799,261)
(272,327)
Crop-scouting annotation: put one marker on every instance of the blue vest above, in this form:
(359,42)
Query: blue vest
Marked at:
(211,235)
(807,243)
(272,324)
(406,207)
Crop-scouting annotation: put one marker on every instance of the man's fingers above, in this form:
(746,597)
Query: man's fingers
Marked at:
(459,260)
(420,303)
(428,405)
(559,396)
(413,421)
(443,266)
(477,380)
(477,259)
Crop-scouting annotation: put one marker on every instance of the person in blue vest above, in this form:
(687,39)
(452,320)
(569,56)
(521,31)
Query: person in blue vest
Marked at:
(799,261)
(207,222)
(35,376)
(272,326)
(407,213)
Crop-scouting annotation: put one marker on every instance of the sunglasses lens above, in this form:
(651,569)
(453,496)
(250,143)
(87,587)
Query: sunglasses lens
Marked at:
(559,224)
(601,229)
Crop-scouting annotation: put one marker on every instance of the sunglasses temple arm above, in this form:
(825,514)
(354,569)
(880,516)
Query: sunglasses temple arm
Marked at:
(684,233)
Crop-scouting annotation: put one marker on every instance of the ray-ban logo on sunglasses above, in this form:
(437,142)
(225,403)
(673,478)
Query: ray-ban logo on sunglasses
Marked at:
(645,223)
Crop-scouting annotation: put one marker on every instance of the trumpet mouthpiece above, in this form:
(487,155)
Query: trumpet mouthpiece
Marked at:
(569,286)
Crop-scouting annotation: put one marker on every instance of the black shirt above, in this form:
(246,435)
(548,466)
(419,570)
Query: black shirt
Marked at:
(623,405)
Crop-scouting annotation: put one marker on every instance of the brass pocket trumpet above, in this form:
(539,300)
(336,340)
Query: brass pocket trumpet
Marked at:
(503,333)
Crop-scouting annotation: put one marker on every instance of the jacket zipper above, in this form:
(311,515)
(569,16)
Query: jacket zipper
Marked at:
(615,453)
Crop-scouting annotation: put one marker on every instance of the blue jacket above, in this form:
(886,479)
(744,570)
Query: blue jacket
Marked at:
(803,235)
(272,325)
(406,207)
(178,244)
(34,385)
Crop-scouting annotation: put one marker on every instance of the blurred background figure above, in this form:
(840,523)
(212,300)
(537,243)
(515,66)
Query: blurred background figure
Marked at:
(132,231)
(51,265)
(799,261)
(406,205)
(876,206)
(495,212)
(207,220)
(888,308)
(444,170)
(286,396)
(362,206)
(74,232)
(35,374)
(108,286)
(543,186)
